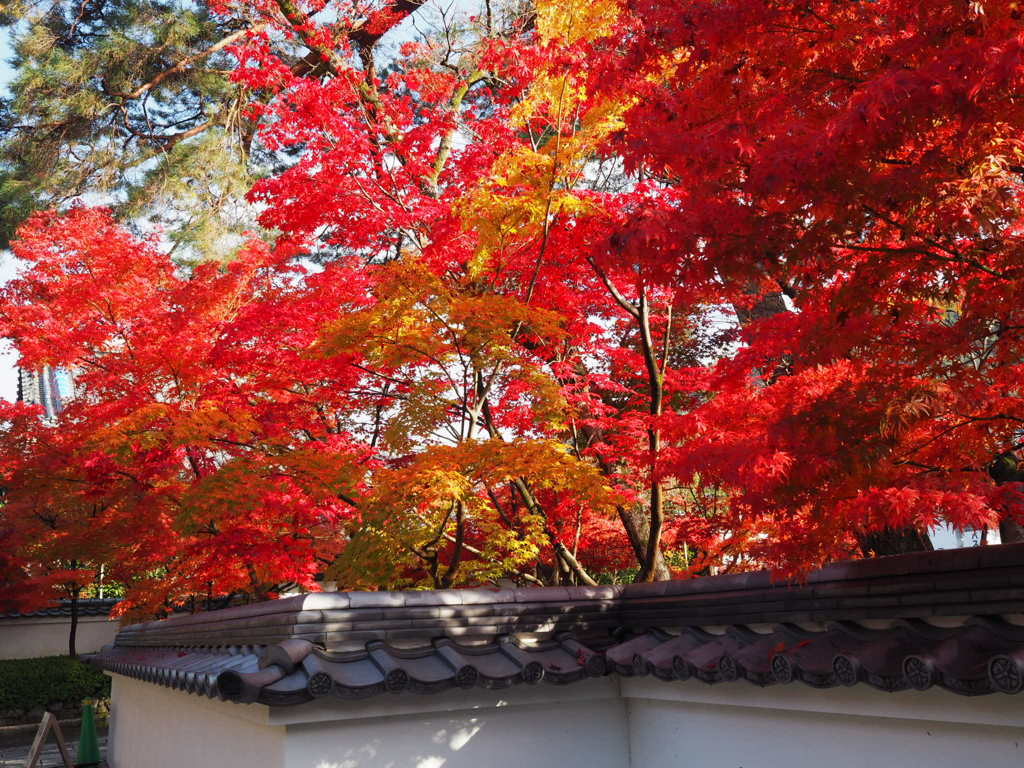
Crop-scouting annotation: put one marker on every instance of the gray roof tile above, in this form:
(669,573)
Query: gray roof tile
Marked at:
(353,645)
(89,607)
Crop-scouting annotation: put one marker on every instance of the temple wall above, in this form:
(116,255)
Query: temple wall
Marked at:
(155,727)
(602,723)
(735,725)
(583,730)
(577,726)
(32,637)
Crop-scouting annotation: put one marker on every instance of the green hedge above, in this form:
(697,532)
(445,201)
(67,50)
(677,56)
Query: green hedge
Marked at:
(27,684)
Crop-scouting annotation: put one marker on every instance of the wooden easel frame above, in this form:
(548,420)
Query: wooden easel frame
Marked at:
(48,723)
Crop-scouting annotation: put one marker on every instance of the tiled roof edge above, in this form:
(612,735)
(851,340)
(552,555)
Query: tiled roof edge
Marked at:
(981,656)
(87,607)
(977,581)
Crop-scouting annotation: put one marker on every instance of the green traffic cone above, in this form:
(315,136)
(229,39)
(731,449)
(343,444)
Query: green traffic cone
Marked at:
(88,744)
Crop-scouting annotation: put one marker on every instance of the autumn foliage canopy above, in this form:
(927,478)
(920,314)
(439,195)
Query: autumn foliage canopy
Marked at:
(613,288)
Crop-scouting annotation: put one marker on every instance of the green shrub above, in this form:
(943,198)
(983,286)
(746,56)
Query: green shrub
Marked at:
(27,684)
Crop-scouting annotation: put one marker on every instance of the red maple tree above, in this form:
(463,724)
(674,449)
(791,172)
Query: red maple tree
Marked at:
(608,288)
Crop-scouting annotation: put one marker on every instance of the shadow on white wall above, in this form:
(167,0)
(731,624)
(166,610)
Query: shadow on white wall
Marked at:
(456,736)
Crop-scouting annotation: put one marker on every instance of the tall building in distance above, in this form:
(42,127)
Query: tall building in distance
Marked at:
(48,387)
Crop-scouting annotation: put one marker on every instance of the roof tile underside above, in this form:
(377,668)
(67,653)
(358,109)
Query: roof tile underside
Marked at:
(985,655)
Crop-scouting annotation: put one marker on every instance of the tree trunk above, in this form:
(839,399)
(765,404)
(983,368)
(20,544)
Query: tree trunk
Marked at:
(650,556)
(769,305)
(638,530)
(1004,470)
(73,634)
(1010,531)
(656,385)
(894,541)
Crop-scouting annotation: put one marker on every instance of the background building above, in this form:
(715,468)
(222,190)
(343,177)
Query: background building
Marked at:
(47,386)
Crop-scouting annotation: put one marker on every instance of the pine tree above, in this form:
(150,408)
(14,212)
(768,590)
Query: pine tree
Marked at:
(129,103)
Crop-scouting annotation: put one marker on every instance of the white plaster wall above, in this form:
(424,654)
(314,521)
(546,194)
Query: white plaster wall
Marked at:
(605,723)
(573,728)
(691,725)
(155,727)
(31,638)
